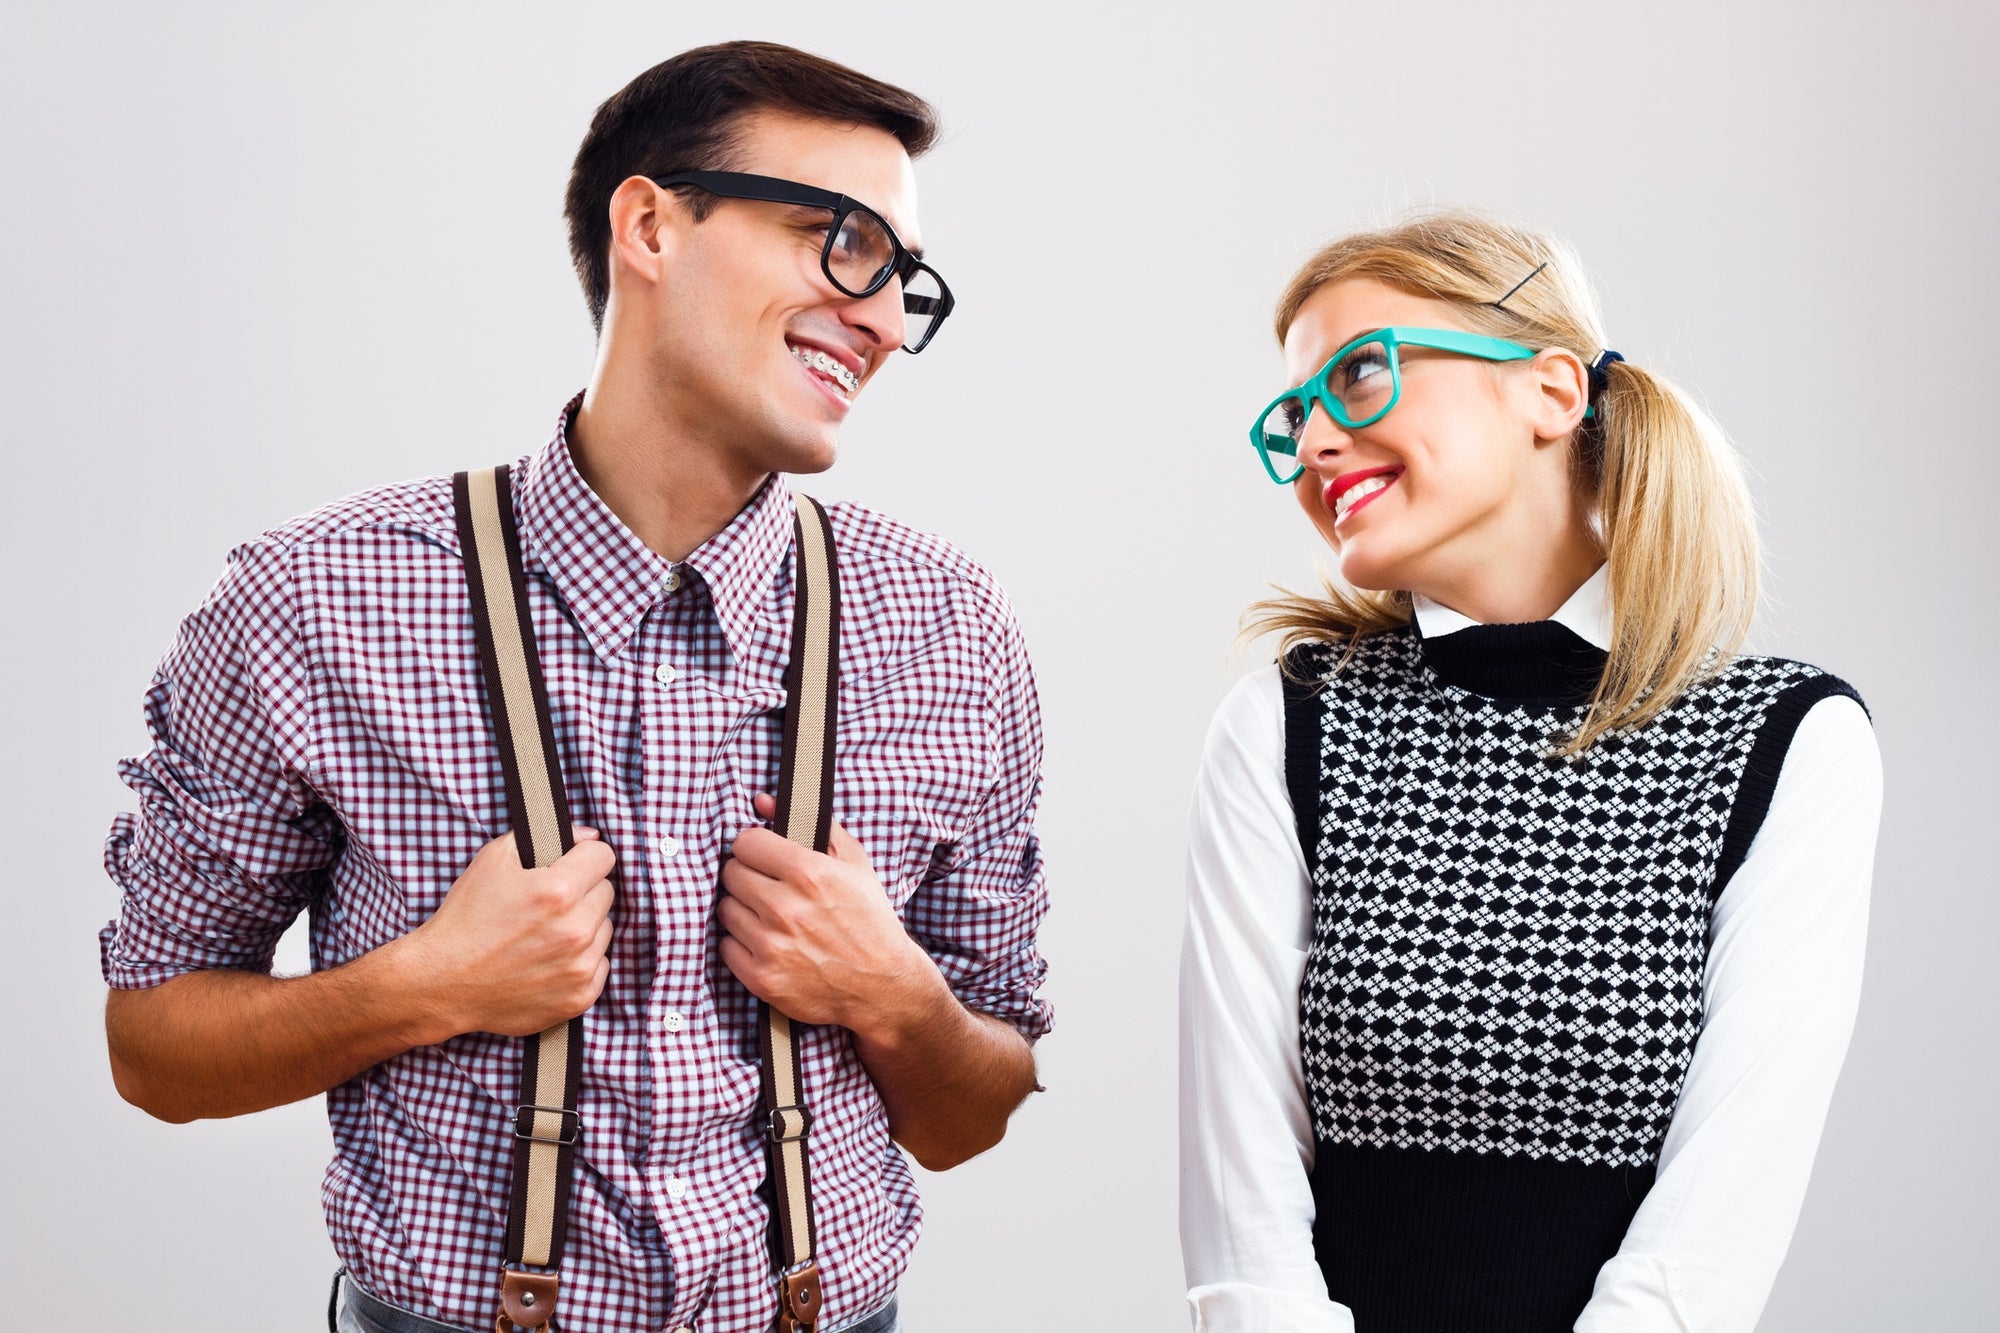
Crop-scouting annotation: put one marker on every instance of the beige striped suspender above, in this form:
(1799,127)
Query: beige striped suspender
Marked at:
(546,1124)
(805,815)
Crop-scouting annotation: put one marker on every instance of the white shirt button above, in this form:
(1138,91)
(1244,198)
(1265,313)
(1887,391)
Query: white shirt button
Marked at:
(665,673)
(683,1329)
(674,1020)
(676,1188)
(672,580)
(670,846)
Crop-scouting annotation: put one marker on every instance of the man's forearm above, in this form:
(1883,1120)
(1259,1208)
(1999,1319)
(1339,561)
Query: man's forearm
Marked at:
(226,1042)
(511,950)
(949,1076)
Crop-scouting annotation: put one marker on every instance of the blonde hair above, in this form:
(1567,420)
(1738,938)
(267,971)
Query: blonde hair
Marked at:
(1672,511)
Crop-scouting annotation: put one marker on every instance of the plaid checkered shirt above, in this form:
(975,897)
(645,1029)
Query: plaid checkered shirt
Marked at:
(321,741)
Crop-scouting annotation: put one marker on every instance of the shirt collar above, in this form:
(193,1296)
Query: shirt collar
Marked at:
(742,565)
(610,579)
(1587,613)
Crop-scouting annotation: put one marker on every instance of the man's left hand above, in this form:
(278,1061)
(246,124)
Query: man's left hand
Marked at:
(814,934)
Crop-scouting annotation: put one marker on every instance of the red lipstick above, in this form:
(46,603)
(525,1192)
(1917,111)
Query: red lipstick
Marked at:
(1347,481)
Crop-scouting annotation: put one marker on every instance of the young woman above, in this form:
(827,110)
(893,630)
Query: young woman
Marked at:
(1525,915)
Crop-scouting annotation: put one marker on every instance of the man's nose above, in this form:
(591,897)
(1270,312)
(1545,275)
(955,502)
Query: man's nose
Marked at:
(879,315)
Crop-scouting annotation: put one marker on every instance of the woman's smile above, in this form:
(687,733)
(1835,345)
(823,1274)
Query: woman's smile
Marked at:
(1350,492)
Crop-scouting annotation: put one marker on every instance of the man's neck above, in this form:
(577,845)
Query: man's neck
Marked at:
(657,473)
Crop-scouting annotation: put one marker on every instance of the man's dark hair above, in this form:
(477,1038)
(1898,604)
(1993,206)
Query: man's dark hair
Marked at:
(684,114)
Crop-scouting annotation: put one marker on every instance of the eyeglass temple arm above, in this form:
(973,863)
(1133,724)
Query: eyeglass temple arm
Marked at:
(769,189)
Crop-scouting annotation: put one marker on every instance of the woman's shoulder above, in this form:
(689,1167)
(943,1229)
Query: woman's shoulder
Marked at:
(1787,687)
(1252,710)
(1813,752)
(1806,736)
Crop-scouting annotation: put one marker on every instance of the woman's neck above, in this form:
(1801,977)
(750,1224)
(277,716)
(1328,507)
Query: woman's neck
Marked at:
(1528,584)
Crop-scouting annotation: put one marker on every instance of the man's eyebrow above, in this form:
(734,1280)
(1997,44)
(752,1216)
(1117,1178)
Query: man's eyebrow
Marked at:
(915,250)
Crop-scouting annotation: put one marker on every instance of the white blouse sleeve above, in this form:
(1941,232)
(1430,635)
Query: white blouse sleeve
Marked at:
(1782,984)
(1246,1138)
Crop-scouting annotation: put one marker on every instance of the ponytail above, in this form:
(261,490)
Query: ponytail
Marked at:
(1680,539)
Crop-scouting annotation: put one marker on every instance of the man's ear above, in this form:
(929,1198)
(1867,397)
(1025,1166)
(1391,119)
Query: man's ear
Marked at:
(646,224)
(1561,388)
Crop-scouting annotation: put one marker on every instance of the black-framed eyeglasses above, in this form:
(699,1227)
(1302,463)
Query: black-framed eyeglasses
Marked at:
(861,252)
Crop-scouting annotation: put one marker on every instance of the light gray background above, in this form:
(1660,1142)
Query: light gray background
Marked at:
(259,257)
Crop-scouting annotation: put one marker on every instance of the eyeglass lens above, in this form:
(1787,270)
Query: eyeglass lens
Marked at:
(923,306)
(859,259)
(1278,435)
(860,254)
(1359,388)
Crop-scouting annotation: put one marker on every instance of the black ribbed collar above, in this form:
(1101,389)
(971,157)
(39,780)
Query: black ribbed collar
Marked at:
(1543,661)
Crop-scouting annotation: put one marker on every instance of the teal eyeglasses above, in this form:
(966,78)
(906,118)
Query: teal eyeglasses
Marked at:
(1357,387)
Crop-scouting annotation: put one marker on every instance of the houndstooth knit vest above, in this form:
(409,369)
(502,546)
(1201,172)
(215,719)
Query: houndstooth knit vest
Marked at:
(1504,987)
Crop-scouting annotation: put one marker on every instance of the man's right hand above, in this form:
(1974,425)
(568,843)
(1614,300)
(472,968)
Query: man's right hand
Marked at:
(510,950)
(516,950)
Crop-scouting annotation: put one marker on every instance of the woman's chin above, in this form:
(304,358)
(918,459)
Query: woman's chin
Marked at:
(1359,570)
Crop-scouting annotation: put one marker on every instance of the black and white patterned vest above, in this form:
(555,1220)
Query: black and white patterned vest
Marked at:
(1504,987)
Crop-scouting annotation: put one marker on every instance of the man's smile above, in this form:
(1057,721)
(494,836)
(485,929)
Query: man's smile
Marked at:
(827,365)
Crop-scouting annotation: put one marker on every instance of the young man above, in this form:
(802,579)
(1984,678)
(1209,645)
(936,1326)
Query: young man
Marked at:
(323,741)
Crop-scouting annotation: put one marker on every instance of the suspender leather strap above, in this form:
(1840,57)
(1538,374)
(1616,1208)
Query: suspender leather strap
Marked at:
(546,1124)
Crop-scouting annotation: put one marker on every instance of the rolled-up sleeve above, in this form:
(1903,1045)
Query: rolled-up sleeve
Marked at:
(229,842)
(978,915)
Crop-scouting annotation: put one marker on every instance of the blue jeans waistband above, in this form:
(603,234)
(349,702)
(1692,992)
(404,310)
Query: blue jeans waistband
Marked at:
(353,1309)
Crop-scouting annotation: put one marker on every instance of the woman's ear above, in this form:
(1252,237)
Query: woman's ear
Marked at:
(1561,387)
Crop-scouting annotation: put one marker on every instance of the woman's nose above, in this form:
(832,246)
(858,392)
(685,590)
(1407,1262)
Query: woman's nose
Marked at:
(1323,443)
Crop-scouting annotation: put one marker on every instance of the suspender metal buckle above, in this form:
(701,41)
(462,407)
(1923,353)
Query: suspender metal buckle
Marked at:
(524,1125)
(788,1124)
